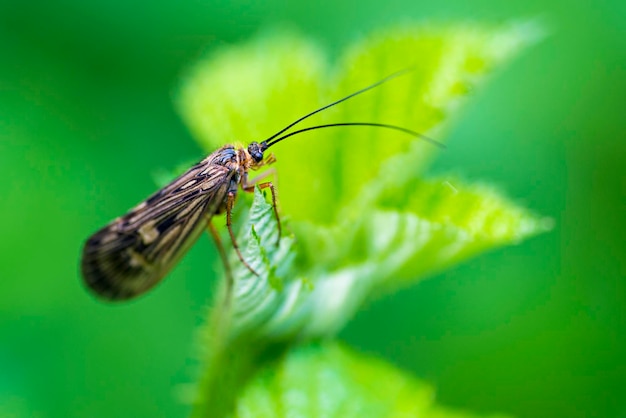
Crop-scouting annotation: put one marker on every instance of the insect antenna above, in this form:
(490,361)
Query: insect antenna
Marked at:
(376,125)
(356,93)
(273,139)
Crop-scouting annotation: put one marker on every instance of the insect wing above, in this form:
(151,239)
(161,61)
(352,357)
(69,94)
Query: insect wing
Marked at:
(133,253)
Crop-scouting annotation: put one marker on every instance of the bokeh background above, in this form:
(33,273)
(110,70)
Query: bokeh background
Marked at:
(86,116)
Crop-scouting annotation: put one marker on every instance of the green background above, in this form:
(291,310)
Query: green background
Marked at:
(86,116)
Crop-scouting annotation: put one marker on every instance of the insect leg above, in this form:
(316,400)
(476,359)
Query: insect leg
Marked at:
(273,190)
(249,187)
(230,202)
(220,248)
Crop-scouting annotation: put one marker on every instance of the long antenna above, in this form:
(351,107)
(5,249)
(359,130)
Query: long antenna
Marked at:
(377,125)
(363,90)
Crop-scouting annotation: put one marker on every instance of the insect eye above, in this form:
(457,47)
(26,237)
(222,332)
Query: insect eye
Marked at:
(255,152)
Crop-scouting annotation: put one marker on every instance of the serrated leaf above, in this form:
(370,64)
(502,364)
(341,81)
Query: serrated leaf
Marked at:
(259,301)
(328,380)
(417,228)
(404,236)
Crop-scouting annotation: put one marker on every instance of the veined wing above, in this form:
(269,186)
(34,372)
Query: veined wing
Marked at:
(134,252)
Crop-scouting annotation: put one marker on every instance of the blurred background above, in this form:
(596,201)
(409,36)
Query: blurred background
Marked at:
(86,118)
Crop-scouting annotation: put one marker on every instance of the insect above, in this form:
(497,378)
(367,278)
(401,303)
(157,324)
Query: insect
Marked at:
(134,252)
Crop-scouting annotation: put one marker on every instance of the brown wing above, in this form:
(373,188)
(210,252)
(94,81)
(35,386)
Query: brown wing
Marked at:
(133,253)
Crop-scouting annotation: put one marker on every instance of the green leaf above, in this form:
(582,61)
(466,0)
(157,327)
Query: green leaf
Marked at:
(414,229)
(329,380)
(250,312)
(259,303)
